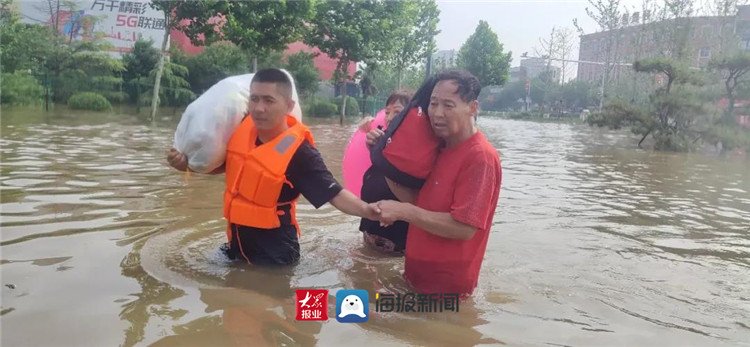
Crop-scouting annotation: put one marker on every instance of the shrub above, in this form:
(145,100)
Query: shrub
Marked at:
(352,106)
(321,108)
(20,88)
(89,101)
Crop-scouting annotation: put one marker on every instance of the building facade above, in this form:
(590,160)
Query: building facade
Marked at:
(704,37)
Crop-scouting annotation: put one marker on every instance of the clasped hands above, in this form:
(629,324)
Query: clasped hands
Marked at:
(387,211)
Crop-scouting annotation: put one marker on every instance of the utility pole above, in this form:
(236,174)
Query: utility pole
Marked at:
(549,53)
(601,88)
(428,69)
(160,68)
(528,93)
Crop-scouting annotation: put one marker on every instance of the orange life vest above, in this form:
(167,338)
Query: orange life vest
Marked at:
(255,175)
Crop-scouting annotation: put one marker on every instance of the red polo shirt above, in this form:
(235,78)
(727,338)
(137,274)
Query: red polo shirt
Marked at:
(465,183)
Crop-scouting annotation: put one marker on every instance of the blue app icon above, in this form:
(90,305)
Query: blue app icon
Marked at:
(352,306)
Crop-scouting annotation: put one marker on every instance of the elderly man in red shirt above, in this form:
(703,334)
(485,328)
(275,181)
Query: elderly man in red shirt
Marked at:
(449,223)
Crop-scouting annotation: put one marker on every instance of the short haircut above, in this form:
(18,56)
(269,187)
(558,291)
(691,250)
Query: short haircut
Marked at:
(402,96)
(468,84)
(283,84)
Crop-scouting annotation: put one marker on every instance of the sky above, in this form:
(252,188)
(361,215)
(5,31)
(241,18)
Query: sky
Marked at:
(518,23)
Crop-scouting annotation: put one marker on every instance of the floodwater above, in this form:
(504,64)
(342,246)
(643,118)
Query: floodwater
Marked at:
(594,243)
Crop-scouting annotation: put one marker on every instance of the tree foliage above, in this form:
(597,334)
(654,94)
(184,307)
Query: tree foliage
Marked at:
(175,89)
(733,68)
(570,97)
(675,116)
(20,88)
(354,30)
(257,27)
(218,61)
(482,55)
(138,64)
(413,35)
(86,67)
(301,66)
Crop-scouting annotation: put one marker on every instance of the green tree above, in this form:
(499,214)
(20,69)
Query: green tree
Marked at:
(386,79)
(413,36)
(24,46)
(539,91)
(63,69)
(20,88)
(572,96)
(175,90)
(733,68)
(482,55)
(675,116)
(270,59)
(578,95)
(83,66)
(138,64)
(258,27)
(506,99)
(354,30)
(7,14)
(218,61)
(301,66)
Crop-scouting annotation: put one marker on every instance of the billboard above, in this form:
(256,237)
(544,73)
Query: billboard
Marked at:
(122,23)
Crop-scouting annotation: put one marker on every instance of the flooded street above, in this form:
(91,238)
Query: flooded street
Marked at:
(594,243)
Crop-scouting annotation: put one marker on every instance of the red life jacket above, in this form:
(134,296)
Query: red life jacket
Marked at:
(407,152)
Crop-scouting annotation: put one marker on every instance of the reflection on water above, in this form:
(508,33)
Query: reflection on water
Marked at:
(594,243)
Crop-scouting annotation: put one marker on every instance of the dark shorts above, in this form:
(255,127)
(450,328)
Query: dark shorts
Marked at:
(264,247)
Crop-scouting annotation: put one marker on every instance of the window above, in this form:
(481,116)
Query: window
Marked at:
(705,53)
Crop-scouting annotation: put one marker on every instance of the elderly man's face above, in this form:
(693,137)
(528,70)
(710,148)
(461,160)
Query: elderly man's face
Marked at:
(449,114)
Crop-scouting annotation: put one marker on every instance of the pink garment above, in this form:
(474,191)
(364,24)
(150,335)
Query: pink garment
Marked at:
(357,156)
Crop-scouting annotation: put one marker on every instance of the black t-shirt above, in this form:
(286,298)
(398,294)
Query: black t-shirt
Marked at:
(308,176)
